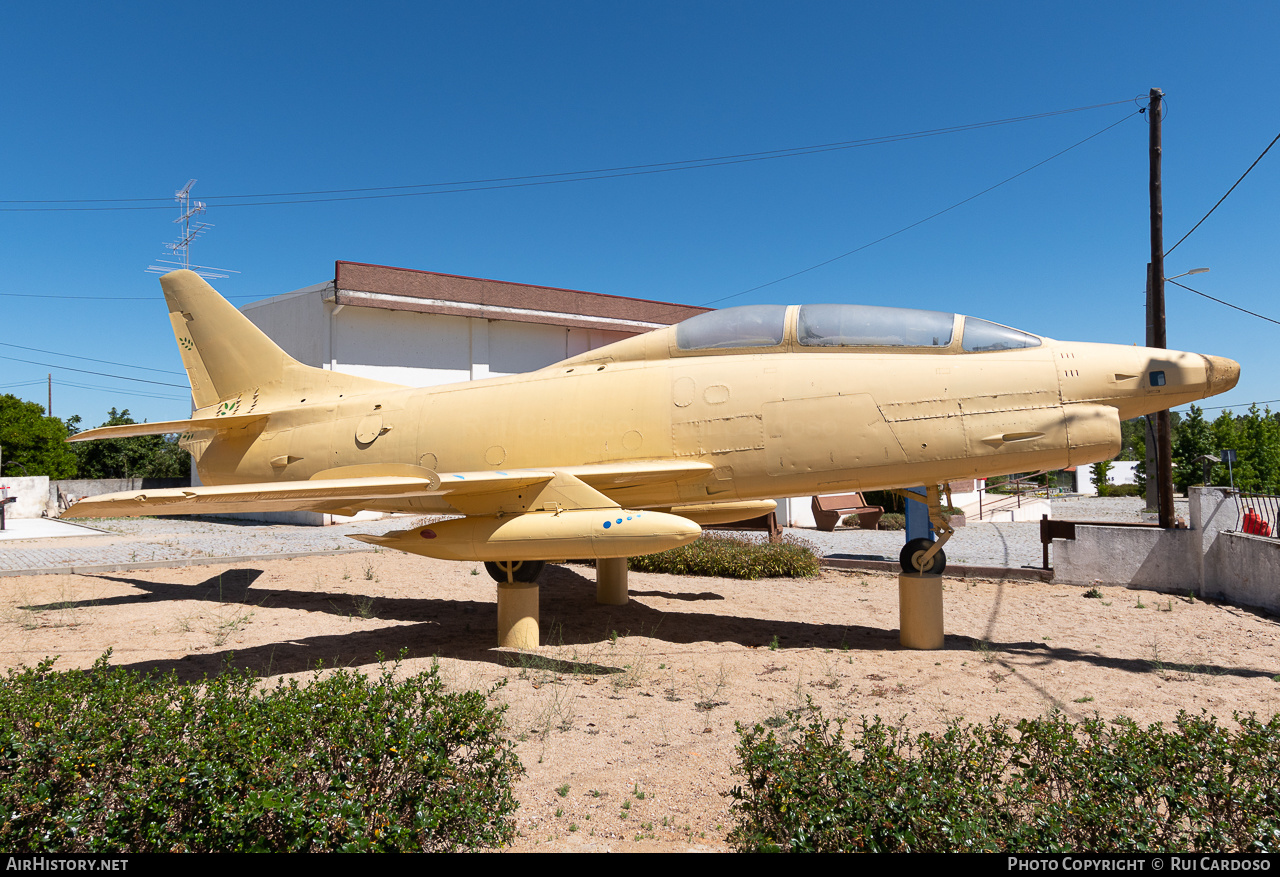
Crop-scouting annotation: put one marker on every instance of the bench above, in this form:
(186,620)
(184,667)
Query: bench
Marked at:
(828,510)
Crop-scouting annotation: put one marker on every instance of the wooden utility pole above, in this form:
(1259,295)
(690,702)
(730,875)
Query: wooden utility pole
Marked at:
(1164,444)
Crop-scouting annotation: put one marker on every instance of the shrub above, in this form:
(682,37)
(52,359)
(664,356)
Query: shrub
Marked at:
(896,520)
(1046,784)
(108,759)
(889,521)
(725,556)
(1121,490)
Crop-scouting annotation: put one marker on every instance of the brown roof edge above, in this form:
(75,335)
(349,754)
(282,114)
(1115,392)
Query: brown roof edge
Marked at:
(415,283)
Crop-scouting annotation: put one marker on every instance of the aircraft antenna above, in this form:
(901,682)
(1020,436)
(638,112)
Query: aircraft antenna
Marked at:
(191,229)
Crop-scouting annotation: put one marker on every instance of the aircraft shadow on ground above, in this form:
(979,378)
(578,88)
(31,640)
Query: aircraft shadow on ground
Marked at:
(569,616)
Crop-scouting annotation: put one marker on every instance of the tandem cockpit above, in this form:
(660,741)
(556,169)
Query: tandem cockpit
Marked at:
(812,327)
(842,325)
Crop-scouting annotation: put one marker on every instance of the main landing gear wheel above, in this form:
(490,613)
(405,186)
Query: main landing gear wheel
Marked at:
(914,551)
(526,571)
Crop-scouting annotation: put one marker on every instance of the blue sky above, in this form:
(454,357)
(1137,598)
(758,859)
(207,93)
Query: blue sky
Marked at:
(131,101)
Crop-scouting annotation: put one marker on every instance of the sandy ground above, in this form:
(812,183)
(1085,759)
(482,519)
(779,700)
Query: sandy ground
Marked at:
(626,718)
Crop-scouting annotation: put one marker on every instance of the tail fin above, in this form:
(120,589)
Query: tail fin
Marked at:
(226,355)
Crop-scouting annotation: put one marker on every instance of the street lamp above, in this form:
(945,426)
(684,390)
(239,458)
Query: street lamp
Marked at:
(1192,271)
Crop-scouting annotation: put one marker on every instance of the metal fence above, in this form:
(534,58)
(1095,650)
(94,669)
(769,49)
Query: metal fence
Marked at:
(1258,514)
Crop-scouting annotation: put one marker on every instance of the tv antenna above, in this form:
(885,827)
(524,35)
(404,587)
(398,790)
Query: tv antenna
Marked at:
(181,248)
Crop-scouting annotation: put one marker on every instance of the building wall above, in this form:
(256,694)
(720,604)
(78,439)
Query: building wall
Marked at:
(414,349)
(297,321)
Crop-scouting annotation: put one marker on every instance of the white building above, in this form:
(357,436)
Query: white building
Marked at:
(420,328)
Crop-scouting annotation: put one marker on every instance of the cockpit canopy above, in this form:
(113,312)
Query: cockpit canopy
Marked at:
(838,325)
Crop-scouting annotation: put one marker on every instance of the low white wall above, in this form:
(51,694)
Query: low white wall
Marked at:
(32,492)
(1143,557)
(1211,559)
(1244,570)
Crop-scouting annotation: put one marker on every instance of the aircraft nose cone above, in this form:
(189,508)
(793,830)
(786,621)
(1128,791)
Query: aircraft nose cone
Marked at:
(1221,373)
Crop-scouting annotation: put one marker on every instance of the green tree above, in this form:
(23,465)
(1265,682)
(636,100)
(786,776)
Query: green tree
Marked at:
(1193,440)
(146,456)
(33,444)
(1098,475)
(1133,439)
(1133,447)
(1260,449)
(1227,436)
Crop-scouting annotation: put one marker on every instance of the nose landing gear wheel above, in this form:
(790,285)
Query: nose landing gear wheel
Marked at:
(526,571)
(914,551)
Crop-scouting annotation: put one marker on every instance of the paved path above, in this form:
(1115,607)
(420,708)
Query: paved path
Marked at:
(141,543)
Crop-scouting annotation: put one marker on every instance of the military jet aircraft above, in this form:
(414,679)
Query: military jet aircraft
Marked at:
(629,448)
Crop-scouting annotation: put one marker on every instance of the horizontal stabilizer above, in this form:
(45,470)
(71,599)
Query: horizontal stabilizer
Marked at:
(167,427)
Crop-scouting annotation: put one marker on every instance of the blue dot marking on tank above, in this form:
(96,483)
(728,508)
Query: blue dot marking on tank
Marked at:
(608,524)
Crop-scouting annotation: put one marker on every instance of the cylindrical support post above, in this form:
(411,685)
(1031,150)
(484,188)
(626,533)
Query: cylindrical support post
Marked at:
(920,610)
(518,615)
(611,581)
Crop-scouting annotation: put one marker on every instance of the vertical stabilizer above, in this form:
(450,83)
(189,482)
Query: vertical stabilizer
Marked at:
(226,355)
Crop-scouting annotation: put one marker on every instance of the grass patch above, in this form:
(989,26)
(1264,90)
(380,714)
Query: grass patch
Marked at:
(111,760)
(1045,784)
(726,556)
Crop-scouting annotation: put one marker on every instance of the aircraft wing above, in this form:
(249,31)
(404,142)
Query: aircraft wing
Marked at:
(396,487)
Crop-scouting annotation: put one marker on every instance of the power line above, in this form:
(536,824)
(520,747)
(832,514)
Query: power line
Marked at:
(544,179)
(1221,302)
(1224,198)
(91,359)
(922,221)
(96,374)
(123,392)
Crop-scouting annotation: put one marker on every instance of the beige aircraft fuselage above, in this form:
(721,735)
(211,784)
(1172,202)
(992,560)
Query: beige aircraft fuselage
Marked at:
(711,432)
(784,422)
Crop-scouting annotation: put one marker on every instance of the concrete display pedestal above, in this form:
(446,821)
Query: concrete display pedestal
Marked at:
(611,581)
(920,610)
(518,615)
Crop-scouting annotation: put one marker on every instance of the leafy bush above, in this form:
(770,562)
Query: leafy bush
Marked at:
(1046,784)
(890,521)
(108,759)
(1121,490)
(733,557)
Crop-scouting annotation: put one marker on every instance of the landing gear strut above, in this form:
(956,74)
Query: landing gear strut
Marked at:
(923,555)
(506,571)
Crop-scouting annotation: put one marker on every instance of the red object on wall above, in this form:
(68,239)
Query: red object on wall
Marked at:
(1254,524)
